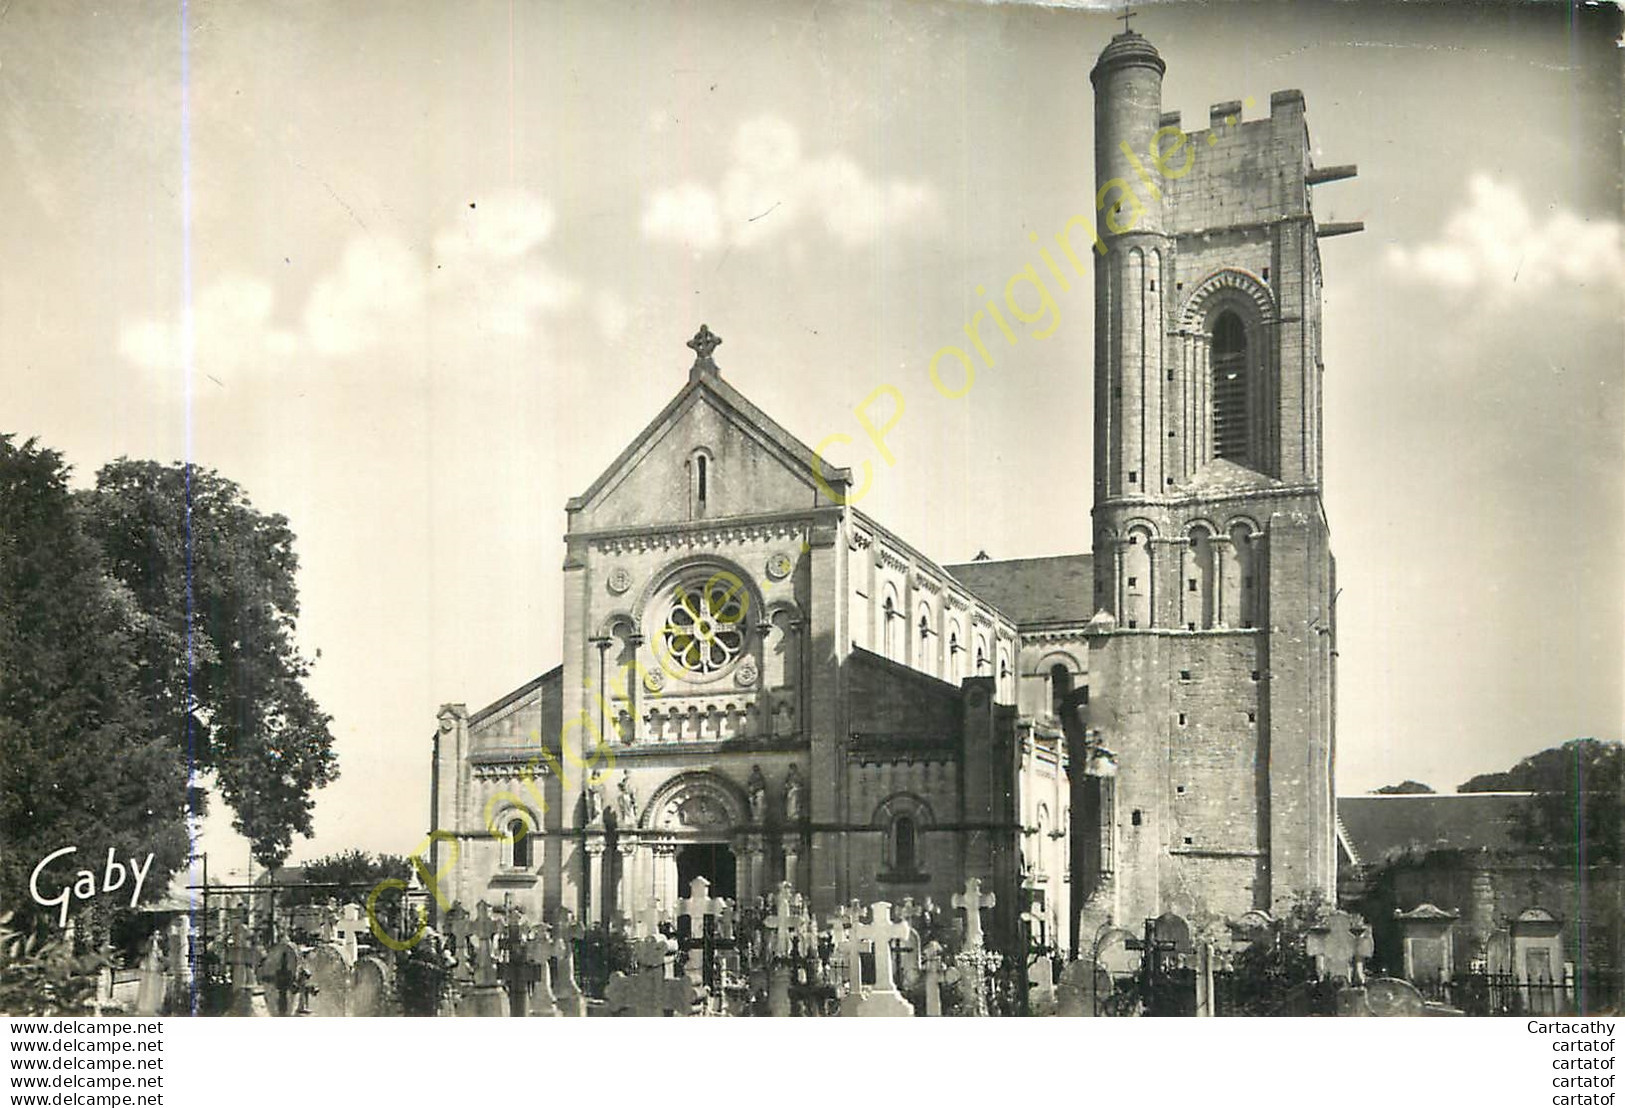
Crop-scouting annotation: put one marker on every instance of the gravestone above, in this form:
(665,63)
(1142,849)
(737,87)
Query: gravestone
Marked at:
(1115,956)
(349,928)
(329,980)
(179,994)
(485,995)
(1340,945)
(881,999)
(369,988)
(1041,988)
(697,905)
(1389,996)
(537,951)
(648,991)
(149,992)
(459,932)
(931,968)
(972,901)
(240,967)
(1083,985)
(566,934)
(1172,929)
(280,973)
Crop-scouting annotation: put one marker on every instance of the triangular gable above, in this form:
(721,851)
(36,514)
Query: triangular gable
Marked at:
(708,399)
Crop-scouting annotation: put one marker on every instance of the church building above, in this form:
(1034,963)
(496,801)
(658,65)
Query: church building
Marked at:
(761,683)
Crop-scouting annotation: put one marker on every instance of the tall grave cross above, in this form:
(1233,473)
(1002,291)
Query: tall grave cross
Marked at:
(485,930)
(783,921)
(702,910)
(973,900)
(881,930)
(349,927)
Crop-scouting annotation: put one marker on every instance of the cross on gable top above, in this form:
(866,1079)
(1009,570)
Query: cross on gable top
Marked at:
(704,344)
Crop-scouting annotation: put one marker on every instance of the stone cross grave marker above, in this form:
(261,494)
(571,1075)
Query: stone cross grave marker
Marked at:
(348,929)
(516,969)
(566,934)
(485,930)
(695,907)
(240,957)
(973,900)
(538,949)
(783,921)
(932,970)
(646,921)
(881,931)
(648,991)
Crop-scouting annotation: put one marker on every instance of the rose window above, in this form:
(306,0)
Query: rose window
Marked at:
(705,627)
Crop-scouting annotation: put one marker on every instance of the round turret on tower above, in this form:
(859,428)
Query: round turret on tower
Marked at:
(1128,109)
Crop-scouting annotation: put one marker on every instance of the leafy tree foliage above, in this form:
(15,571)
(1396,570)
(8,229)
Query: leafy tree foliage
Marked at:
(79,765)
(1578,810)
(1406,787)
(219,676)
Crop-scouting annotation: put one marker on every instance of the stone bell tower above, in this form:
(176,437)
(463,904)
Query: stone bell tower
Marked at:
(1211,656)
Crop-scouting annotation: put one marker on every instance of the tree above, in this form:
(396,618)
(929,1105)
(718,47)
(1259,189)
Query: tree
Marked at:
(217,669)
(79,765)
(1406,787)
(1578,807)
(359,873)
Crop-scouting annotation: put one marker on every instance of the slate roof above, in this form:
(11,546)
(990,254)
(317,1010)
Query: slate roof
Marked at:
(1382,827)
(1034,590)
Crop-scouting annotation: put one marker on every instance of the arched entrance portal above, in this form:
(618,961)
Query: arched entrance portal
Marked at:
(713,861)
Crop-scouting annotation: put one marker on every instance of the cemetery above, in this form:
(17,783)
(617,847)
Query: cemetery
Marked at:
(715,957)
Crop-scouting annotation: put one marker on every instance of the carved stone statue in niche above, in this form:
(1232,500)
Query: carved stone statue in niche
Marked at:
(792,795)
(756,790)
(626,802)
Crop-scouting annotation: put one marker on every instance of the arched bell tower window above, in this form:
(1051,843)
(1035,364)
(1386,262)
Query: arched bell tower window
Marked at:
(1230,388)
(1060,686)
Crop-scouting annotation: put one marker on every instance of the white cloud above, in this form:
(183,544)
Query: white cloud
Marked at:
(1497,245)
(770,189)
(482,278)
(687,215)
(230,326)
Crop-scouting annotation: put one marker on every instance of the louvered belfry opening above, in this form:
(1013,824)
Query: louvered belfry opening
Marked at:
(1230,388)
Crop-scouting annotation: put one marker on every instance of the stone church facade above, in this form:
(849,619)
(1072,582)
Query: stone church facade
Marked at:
(761,683)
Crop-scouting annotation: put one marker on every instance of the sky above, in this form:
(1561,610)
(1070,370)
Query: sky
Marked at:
(413,274)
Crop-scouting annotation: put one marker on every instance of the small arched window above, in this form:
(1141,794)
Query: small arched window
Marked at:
(519,844)
(1060,684)
(701,482)
(888,628)
(904,837)
(1230,416)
